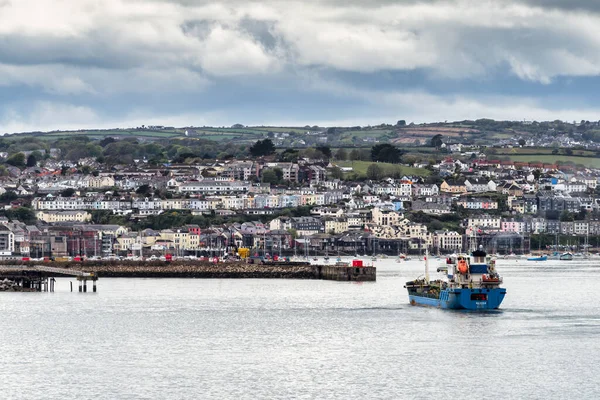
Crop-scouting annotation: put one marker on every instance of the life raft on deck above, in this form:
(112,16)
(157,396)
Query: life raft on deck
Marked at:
(463,268)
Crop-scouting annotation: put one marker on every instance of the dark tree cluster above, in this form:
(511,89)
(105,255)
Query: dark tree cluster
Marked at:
(386,152)
(262,148)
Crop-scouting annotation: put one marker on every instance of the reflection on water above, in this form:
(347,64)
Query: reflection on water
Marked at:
(248,339)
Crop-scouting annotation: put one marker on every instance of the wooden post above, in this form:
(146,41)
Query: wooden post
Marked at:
(80,287)
(71,282)
(84,285)
(94,286)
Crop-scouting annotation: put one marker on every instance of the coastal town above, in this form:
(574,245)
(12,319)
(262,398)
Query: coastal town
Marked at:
(314,204)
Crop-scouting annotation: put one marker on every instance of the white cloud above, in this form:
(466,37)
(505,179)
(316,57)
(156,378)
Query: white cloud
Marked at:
(46,116)
(227,52)
(454,38)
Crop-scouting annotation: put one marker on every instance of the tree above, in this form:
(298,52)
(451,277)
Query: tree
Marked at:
(569,152)
(522,142)
(385,152)
(341,155)
(555,151)
(68,192)
(106,141)
(289,155)
(31,161)
(567,216)
(537,174)
(337,173)
(262,148)
(354,155)
(436,141)
(22,214)
(272,176)
(84,169)
(144,190)
(326,150)
(374,172)
(9,196)
(401,123)
(16,160)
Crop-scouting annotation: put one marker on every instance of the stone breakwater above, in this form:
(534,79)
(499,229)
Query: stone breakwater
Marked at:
(238,269)
(228,270)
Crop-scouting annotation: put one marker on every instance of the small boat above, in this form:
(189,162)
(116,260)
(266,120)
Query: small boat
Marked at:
(566,256)
(373,258)
(339,259)
(540,258)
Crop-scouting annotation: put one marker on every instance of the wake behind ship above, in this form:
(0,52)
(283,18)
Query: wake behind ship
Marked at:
(471,283)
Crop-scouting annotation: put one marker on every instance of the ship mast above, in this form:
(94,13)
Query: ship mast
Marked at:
(427,265)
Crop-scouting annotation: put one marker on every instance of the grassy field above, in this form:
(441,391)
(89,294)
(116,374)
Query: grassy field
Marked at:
(119,132)
(592,162)
(216,138)
(284,129)
(540,151)
(360,167)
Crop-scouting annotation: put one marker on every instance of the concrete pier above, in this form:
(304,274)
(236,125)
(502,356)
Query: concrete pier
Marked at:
(347,273)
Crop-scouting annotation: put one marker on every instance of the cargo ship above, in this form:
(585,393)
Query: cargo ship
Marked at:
(470,283)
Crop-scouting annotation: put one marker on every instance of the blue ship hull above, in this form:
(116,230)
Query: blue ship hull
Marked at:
(463,299)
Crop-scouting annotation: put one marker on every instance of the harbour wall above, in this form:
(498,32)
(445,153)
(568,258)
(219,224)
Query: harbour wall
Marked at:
(204,269)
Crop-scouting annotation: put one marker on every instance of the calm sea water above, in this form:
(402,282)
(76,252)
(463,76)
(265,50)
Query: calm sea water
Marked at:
(276,339)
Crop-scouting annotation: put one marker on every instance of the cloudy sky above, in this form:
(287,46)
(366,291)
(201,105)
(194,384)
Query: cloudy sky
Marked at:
(67,64)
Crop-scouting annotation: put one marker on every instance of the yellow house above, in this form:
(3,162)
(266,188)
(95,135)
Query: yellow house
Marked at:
(63,216)
(336,225)
(124,243)
(191,241)
(458,188)
(385,217)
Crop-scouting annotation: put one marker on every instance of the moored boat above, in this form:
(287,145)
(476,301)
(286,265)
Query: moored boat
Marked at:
(566,256)
(470,283)
(539,258)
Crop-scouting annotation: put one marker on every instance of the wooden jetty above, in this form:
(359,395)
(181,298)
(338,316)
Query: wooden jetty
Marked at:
(41,278)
